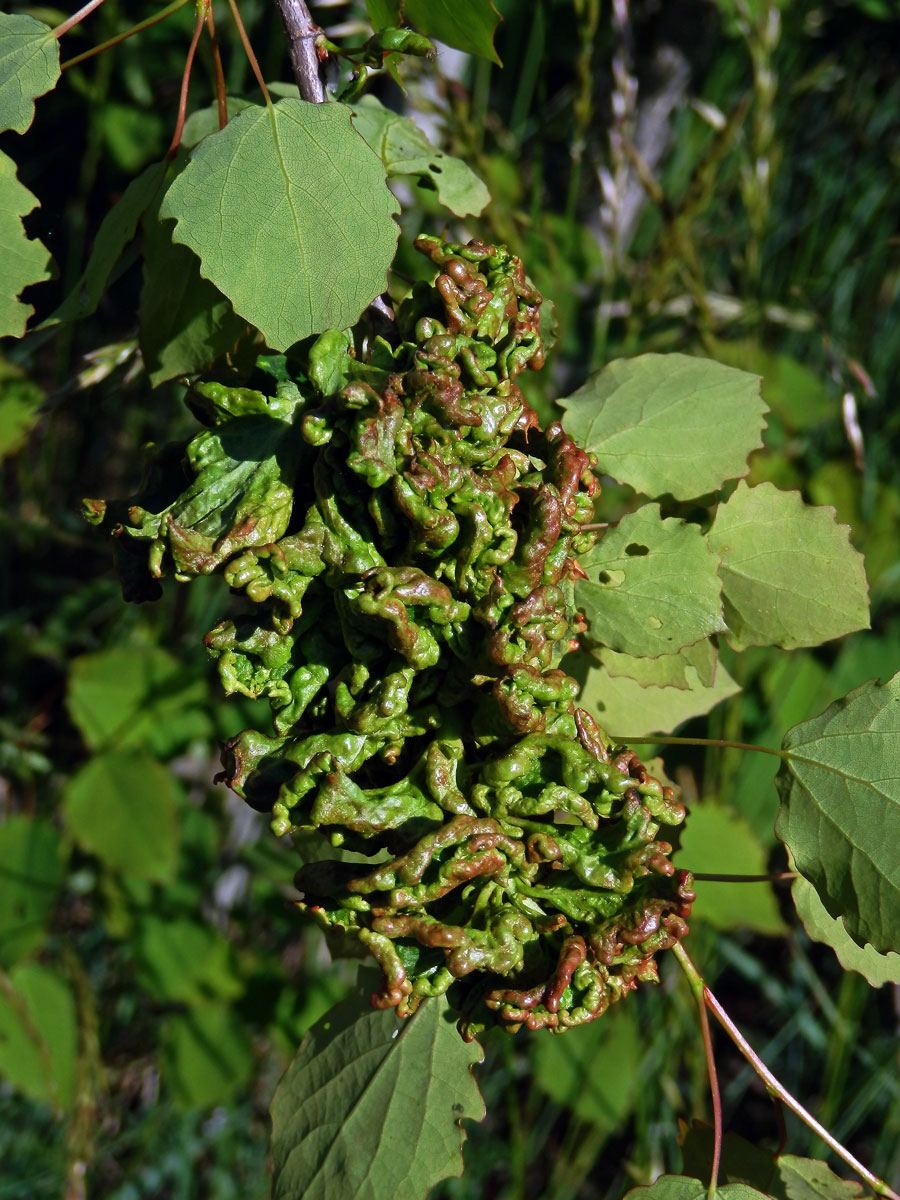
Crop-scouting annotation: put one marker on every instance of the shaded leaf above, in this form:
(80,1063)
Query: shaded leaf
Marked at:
(877,968)
(740,1162)
(669,670)
(206,1057)
(652,586)
(116,231)
(29,67)
(25,260)
(290,215)
(790,576)
(19,401)
(182,960)
(405,150)
(369,1097)
(464,24)
(812,1179)
(121,806)
(668,422)
(31,870)
(38,1034)
(680,1187)
(717,840)
(839,785)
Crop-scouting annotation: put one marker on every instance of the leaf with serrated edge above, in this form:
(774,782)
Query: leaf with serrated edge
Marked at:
(668,422)
(680,1187)
(405,150)
(623,706)
(288,211)
(812,1179)
(652,586)
(29,67)
(877,968)
(669,670)
(790,576)
(839,784)
(371,1098)
(25,260)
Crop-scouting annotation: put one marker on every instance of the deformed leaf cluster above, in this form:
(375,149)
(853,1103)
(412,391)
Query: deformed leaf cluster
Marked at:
(409,536)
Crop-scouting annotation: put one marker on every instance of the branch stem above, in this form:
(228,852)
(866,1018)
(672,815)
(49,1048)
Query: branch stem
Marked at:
(302,32)
(774,1087)
(248,50)
(121,37)
(75,18)
(777,877)
(185,80)
(697,987)
(660,740)
(221,97)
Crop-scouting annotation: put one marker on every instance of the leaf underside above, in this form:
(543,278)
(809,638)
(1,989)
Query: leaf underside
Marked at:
(29,67)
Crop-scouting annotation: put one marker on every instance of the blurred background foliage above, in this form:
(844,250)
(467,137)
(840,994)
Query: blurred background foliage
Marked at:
(716,178)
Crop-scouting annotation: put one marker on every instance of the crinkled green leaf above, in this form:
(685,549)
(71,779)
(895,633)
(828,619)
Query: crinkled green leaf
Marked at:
(680,1187)
(288,210)
(31,870)
(790,576)
(206,1056)
(624,706)
(25,260)
(405,150)
(652,586)
(29,67)
(717,840)
(116,230)
(668,422)
(839,785)
(38,1034)
(181,960)
(371,1098)
(877,968)
(812,1179)
(593,1070)
(464,24)
(669,670)
(122,806)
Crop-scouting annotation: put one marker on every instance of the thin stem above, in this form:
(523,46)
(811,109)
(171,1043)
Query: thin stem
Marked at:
(121,37)
(221,98)
(75,18)
(302,32)
(697,987)
(778,877)
(248,50)
(660,740)
(185,80)
(773,1085)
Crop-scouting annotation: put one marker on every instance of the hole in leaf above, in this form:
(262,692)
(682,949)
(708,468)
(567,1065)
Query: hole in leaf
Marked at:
(635,550)
(611,578)
(434,167)
(655,623)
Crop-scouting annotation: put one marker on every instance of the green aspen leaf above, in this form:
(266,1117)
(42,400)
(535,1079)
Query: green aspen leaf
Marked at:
(20,399)
(116,230)
(790,576)
(29,67)
(38,1034)
(624,706)
(668,423)
(877,968)
(717,840)
(464,24)
(812,1179)
(206,1057)
(405,150)
(31,871)
(680,1187)
(593,1070)
(122,806)
(371,1098)
(652,586)
(205,121)
(669,670)
(839,784)
(25,260)
(181,960)
(288,211)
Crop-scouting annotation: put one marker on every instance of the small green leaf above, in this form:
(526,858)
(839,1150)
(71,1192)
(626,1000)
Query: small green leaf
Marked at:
(369,1097)
(405,150)
(593,1070)
(680,1187)
(122,806)
(25,260)
(623,706)
(288,210)
(31,870)
(29,67)
(839,785)
(19,402)
(38,1034)
(116,230)
(790,576)
(812,1179)
(206,1057)
(652,586)
(877,968)
(669,670)
(181,960)
(717,840)
(464,24)
(668,422)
